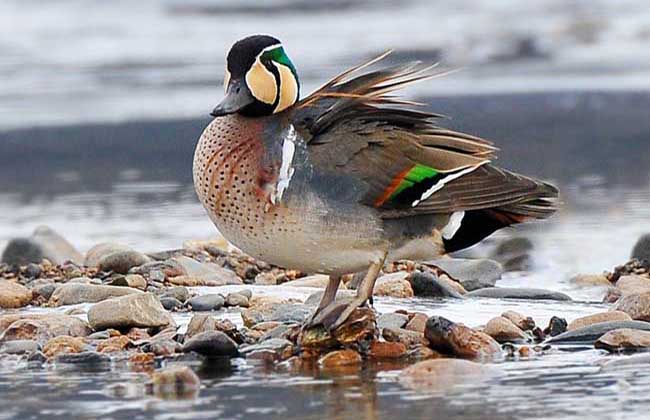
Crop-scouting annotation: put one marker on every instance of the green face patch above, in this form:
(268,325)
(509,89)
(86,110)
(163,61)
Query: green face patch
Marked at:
(279,56)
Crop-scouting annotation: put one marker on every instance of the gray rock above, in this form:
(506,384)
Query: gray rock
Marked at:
(206,273)
(99,251)
(276,345)
(519,293)
(36,358)
(22,251)
(315,297)
(472,274)
(286,313)
(637,306)
(74,293)
(392,320)
(426,284)
(179,293)
(591,333)
(55,247)
(236,299)
(170,303)
(45,290)
(33,270)
(122,261)
(211,302)
(84,358)
(212,344)
(514,254)
(641,250)
(100,335)
(246,292)
(19,347)
(41,327)
(142,310)
(281,331)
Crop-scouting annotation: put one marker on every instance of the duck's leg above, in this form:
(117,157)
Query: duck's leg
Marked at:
(326,300)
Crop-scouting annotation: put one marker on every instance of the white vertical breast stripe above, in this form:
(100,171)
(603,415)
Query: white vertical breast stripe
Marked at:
(286,170)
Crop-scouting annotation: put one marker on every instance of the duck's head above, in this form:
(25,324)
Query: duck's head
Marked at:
(260,79)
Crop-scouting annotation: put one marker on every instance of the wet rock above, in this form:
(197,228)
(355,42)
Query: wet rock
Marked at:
(598,318)
(273,349)
(195,273)
(170,304)
(164,347)
(74,293)
(40,327)
(87,358)
(590,280)
(503,330)
(556,326)
(631,284)
(13,295)
(211,302)
(386,350)
(519,293)
(360,327)
(22,251)
(340,358)
(591,333)
(514,254)
(407,337)
(417,322)
(636,306)
(19,347)
(63,344)
(122,261)
(212,344)
(36,358)
(55,247)
(459,340)
(44,291)
(392,320)
(175,382)
(422,353)
(443,374)
(114,344)
(524,323)
(315,298)
(623,339)
(142,310)
(641,250)
(316,338)
(287,313)
(317,280)
(427,284)
(393,285)
(237,299)
(182,294)
(281,331)
(472,274)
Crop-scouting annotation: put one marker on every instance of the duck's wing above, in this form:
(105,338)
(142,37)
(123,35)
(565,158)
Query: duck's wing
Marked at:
(409,164)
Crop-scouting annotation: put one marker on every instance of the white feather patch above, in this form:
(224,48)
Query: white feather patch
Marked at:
(438,185)
(286,170)
(453,225)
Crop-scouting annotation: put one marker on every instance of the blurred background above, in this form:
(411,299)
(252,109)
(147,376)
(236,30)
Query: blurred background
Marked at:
(101,104)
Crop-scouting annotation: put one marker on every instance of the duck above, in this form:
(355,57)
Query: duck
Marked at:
(350,177)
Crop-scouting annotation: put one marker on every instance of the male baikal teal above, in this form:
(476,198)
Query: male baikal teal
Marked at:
(348,178)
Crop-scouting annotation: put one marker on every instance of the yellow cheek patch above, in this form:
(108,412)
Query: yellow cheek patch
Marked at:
(261,83)
(226,81)
(288,88)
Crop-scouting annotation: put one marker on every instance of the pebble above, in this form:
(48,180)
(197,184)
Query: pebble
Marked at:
(338,358)
(13,295)
(170,303)
(136,281)
(97,252)
(179,293)
(315,297)
(443,374)
(74,293)
(19,347)
(392,320)
(210,302)
(41,327)
(63,344)
(386,350)
(165,347)
(114,344)
(89,358)
(427,284)
(556,326)
(288,313)
(407,337)
(473,274)
(175,382)
(141,310)
(317,280)
(44,290)
(195,273)
(212,344)
(55,247)
(394,285)
(641,250)
(273,349)
(623,339)
(236,299)
(417,322)
(632,284)
(636,306)
(597,318)
(459,340)
(590,280)
(503,330)
(122,261)
(591,333)
(519,293)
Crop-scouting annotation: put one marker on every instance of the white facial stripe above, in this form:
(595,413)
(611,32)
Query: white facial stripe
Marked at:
(453,225)
(428,193)
(286,170)
(269,48)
